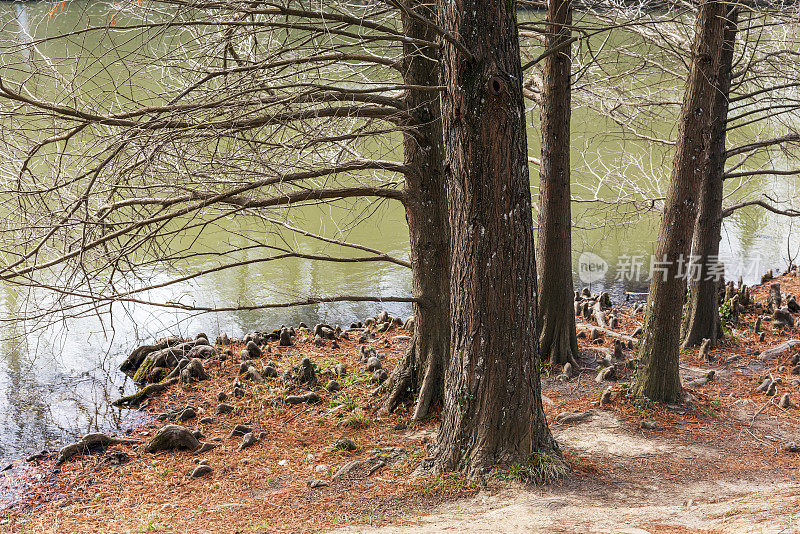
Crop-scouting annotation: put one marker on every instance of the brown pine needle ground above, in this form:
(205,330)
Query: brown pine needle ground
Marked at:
(726,432)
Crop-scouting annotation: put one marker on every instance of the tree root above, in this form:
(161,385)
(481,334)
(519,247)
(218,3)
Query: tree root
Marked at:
(606,331)
(427,391)
(88,443)
(555,343)
(137,398)
(400,384)
(405,378)
(599,314)
(778,351)
(132,362)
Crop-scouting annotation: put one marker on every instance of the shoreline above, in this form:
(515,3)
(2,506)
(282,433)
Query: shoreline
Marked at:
(293,478)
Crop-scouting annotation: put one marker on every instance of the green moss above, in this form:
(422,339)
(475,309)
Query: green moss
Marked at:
(132,400)
(157,374)
(143,372)
(139,396)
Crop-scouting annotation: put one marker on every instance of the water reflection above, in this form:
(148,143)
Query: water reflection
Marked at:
(25,38)
(58,383)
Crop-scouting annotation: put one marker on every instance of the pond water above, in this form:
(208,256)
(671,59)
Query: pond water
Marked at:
(57,382)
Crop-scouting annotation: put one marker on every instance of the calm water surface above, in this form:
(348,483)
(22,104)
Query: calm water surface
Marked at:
(58,383)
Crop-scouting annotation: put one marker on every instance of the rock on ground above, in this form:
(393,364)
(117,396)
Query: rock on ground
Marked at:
(172,437)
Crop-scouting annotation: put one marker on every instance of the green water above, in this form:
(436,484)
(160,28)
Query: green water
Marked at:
(58,382)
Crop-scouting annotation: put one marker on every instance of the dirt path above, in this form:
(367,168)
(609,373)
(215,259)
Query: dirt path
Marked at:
(736,506)
(628,498)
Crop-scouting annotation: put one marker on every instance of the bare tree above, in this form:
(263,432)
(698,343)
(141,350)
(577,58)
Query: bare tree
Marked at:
(422,368)
(702,319)
(759,96)
(657,376)
(630,66)
(558,341)
(241,121)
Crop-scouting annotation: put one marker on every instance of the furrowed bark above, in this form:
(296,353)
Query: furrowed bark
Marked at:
(702,319)
(657,374)
(421,371)
(558,341)
(493,408)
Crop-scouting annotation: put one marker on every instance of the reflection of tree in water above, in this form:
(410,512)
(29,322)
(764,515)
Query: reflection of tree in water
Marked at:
(24,35)
(24,421)
(60,382)
(56,388)
(245,283)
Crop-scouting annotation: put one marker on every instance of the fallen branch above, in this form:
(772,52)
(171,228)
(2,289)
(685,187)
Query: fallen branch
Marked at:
(606,331)
(770,401)
(780,350)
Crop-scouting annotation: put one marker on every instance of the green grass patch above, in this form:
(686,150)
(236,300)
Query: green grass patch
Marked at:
(538,468)
(147,525)
(356,376)
(345,400)
(358,419)
(446,483)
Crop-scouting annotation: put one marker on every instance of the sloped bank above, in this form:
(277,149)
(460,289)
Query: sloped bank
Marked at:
(282,435)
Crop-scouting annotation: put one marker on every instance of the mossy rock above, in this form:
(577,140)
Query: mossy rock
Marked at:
(143,372)
(157,374)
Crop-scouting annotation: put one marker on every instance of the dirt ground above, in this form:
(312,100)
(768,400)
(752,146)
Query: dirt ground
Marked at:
(716,463)
(634,492)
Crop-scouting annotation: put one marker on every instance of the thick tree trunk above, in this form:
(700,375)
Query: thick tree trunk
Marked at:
(422,369)
(702,315)
(558,341)
(493,407)
(657,374)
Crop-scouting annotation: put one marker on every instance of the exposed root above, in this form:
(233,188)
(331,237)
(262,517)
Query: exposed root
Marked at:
(138,397)
(400,384)
(431,383)
(606,331)
(89,443)
(780,350)
(558,349)
(414,375)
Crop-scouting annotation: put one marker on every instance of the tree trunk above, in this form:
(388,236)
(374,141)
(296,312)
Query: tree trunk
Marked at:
(423,366)
(657,375)
(558,341)
(493,407)
(702,317)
